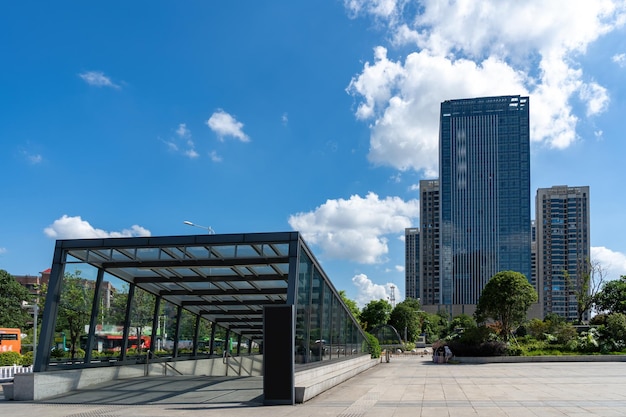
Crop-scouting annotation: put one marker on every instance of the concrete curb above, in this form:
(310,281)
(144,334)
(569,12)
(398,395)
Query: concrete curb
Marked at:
(547,358)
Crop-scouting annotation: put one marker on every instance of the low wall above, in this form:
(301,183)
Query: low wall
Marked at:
(42,385)
(313,381)
(546,358)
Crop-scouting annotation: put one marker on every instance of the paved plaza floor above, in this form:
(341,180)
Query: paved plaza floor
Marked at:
(411,386)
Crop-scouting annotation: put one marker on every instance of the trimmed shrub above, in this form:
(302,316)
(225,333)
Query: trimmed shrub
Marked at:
(27,358)
(478,341)
(373,346)
(10,358)
(57,353)
(490,348)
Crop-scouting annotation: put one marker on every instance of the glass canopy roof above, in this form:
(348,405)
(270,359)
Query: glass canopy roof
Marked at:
(226,279)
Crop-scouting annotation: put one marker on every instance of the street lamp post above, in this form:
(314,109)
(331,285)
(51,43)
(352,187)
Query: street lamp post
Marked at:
(34,308)
(209,229)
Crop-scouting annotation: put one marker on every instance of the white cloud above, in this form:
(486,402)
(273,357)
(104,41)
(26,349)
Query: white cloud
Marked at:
(619,59)
(285,119)
(356,229)
(215,157)
(98,79)
(183,142)
(3,250)
(613,263)
(76,228)
(191,153)
(384,9)
(596,98)
(493,47)
(224,125)
(369,291)
(182,131)
(33,158)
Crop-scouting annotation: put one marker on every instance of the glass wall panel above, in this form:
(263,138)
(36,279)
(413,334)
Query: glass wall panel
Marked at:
(326,322)
(303,314)
(141,314)
(74,314)
(315,336)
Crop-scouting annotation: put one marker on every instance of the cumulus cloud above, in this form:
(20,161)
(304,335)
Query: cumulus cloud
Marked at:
(383,9)
(356,229)
(619,59)
(215,157)
(613,263)
(368,291)
(74,227)
(494,47)
(182,142)
(98,79)
(226,125)
(182,131)
(32,158)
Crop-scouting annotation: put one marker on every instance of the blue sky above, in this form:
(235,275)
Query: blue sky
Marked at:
(127,118)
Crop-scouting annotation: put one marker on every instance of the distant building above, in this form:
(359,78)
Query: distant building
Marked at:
(563,247)
(533,255)
(411,262)
(484,167)
(428,284)
(34,286)
(33,283)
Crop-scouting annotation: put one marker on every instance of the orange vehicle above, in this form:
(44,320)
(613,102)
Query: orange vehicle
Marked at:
(10,340)
(114,342)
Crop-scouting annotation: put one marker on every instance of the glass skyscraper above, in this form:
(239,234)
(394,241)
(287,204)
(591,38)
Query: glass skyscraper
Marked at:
(484,174)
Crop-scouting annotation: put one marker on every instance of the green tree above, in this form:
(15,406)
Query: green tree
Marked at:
(616,328)
(413,303)
(11,296)
(586,287)
(142,310)
(352,305)
(433,325)
(537,328)
(462,321)
(74,308)
(117,310)
(375,313)
(506,299)
(612,298)
(405,317)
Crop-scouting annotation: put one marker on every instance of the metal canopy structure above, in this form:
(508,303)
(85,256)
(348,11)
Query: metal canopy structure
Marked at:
(267,288)
(264,287)
(226,279)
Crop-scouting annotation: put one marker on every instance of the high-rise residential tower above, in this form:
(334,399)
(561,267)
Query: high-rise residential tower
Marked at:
(563,248)
(533,255)
(411,261)
(484,174)
(428,284)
